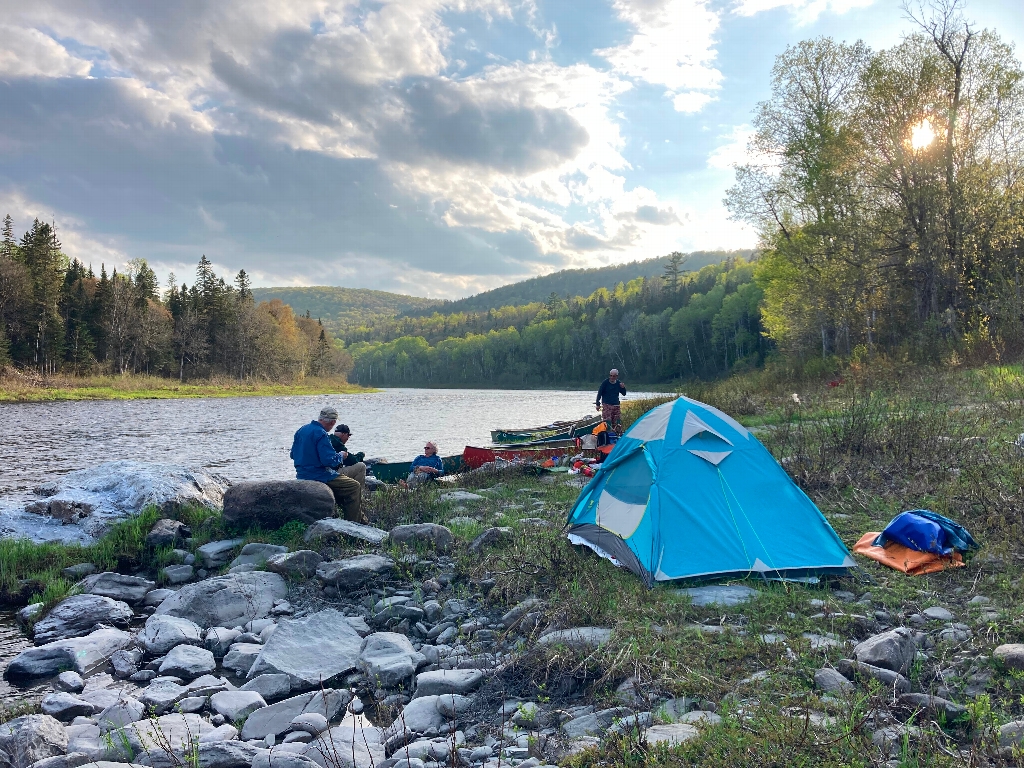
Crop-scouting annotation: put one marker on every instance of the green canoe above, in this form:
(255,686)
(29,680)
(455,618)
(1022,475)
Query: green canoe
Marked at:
(392,472)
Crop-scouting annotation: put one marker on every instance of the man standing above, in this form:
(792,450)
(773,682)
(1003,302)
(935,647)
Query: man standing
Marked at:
(608,398)
(315,459)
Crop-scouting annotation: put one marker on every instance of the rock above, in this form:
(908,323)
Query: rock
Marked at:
(312,651)
(29,738)
(354,572)
(490,537)
(270,687)
(126,662)
(932,705)
(275,758)
(519,611)
(419,716)
(163,632)
(1011,654)
(167,533)
(300,564)
(207,685)
(65,706)
(28,614)
(156,596)
(954,635)
(240,658)
(937,613)
(637,722)
(80,654)
(577,637)
(162,694)
(258,554)
(218,640)
(73,760)
(894,650)
(218,553)
(235,705)
(188,662)
(129,589)
(670,735)
(461,496)
(388,659)
(727,596)
(178,574)
(360,744)
(452,705)
(178,731)
(850,669)
(1010,734)
(269,504)
(78,571)
(460,681)
(125,711)
(79,615)
(892,738)
(277,718)
(334,529)
(595,723)
(311,722)
(226,600)
(71,682)
(222,753)
(979,600)
(831,681)
(426,535)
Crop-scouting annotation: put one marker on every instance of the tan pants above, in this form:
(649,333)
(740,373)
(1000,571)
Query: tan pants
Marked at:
(357,472)
(348,494)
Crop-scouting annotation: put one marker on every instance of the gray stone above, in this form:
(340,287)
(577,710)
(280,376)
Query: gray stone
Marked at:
(226,600)
(831,681)
(388,659)
(519,611)
(954,635)
(218,640)
(79,615)
(129,589)
(28,614)
(257,554)
(193,704)
(175,730)
(178,574)
(637,722)
(311,722)
(215,754)
(937,613)
(460,681)
(207,685)
(71,682)
(851,669)
(218,553)
(934,706)
(80,654)
(452,705)
(431,610)
(79,571)
(126,662)
(1011,734)
(461,496)
(271,687)
(188,662)
(235,705)
(354,572)
(240,658)
(894,650)
(300,564)
(336,529)
(360,744)
(269,504)
(163,632)
(277,718)
(29,738)
(419,716)
(312,651)
(275,758)
(156,596)
(491,537)
(577,637)
(126,710)
(167,533)
(66,706)
(670,735)
(979,600)
(891,739)
(727,596)
(1011,654)
(162,695)
(73,760)
(425,535)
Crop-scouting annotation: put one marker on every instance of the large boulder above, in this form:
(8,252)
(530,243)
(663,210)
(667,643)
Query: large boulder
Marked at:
(79,615)
(354,572)
(188,662)
(226,601)
(423,535)
(164,632)
(389,659)
(269,504)
(66,706)
(81,654)
(894,650)
(29,738)
(277,718)
(235,705)
(312,651)
(335,529)
(174,730)
(117,586)
(206,754)
(301,564)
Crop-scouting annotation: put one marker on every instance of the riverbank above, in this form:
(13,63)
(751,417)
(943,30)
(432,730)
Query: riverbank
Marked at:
(19,388)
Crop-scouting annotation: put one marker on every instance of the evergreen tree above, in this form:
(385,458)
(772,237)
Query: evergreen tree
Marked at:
(674,271)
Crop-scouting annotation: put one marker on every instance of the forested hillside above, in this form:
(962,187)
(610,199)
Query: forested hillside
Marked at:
(339,308)
(579,282)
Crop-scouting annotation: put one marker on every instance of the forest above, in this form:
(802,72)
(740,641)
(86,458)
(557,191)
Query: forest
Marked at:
(59,317)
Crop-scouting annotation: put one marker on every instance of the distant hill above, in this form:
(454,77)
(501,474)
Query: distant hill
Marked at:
(341,307)
(572,282)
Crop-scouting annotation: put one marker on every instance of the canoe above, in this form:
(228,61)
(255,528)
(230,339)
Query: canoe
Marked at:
(474,456)
(392,472)
(559,430)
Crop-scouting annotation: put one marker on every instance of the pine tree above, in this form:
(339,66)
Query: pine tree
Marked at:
(8,246)
(674,270)
(244,286)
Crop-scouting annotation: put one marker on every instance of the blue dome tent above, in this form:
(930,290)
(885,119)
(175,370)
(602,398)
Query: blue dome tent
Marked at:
(689,493)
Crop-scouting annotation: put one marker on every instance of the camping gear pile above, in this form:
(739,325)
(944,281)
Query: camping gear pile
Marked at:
(918,542)
(687,492)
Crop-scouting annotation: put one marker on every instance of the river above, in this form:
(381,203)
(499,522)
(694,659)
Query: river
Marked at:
(248,438)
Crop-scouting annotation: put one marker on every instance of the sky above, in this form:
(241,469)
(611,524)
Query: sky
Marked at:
(428,147)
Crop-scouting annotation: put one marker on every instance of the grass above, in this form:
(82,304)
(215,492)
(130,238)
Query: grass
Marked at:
(19,388)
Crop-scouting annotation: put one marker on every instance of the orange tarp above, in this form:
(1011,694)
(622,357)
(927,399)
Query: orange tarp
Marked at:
(905,559)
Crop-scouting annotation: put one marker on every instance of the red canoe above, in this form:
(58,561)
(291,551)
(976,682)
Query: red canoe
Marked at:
(473,457)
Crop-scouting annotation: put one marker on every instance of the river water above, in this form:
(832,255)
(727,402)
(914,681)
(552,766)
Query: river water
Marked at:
(248,438)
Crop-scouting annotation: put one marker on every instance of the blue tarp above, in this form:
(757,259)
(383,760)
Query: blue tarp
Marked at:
(688,493)
(927,531)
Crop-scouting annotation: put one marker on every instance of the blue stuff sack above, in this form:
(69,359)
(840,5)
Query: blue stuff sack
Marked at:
(927,531)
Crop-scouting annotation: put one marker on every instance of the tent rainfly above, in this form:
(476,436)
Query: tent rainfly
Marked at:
(689,493)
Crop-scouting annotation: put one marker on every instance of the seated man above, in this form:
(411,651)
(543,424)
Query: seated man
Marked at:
(353,465)
(315,459)
(425,467)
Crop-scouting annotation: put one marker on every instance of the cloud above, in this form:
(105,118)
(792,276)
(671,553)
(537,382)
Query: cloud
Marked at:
(734,150)
(29,52)
(805,11)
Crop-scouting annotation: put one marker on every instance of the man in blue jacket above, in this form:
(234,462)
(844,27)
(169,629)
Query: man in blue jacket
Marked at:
(316,459)
(608,398)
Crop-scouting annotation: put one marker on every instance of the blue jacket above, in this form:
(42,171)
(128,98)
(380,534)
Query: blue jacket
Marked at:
(313,454)
(427,461)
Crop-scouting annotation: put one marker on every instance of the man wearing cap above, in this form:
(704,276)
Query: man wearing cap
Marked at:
(316,459)
(608,398)
(353,465)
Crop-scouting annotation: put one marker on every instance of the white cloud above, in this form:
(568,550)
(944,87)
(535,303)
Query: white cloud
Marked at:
(29,52)
(805,11)
(734,151)
(691,101)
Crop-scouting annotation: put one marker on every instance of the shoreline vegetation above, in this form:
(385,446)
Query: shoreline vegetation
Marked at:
(17,388)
